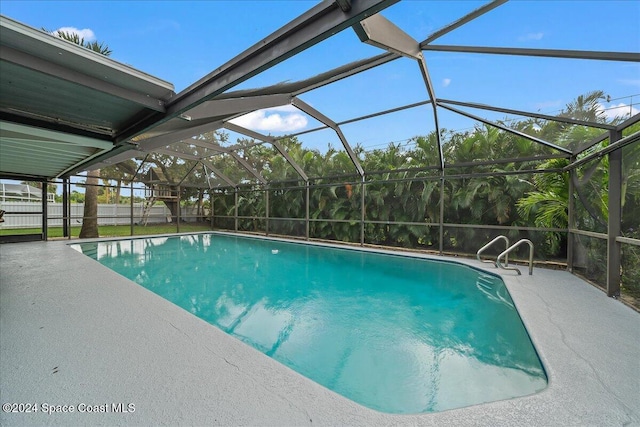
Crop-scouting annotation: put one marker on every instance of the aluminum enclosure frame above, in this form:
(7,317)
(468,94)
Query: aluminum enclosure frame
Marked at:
(208,105)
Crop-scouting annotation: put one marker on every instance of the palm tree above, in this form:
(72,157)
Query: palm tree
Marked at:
(547,206)
(90,215)
(586,107)
(74,38)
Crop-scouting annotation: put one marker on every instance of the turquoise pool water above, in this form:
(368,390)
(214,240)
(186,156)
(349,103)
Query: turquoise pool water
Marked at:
(393,333)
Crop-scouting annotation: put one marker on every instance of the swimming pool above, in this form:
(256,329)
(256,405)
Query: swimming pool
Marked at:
(394,333)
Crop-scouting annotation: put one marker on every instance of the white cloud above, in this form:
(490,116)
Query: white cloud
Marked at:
(531,36)
(620,110)
(85,33)
(280,119)
(446,82)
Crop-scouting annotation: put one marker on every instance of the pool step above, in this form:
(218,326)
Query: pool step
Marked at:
(486,283)
(90,251)
(231,328)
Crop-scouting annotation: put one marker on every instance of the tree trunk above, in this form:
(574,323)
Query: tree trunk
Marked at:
(117,201)
(173,208)
(200,210)
(90,219)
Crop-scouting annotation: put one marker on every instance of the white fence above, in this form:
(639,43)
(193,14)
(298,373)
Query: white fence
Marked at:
(31,214)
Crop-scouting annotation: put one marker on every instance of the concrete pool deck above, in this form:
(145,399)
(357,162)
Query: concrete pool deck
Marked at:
(73,332)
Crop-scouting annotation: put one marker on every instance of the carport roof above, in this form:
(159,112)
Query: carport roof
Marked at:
(63,104)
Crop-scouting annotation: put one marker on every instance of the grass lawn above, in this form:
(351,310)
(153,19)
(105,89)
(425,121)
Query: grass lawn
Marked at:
(112,230)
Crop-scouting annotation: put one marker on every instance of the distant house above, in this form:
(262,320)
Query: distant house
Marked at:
(22,193)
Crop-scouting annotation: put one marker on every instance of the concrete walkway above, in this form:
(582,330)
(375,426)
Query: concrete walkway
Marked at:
(73,332)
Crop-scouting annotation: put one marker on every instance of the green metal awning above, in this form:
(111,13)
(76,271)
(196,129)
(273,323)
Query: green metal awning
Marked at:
(63,104)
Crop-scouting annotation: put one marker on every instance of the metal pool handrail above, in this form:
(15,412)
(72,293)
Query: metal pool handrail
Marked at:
(485,247)
(515,245)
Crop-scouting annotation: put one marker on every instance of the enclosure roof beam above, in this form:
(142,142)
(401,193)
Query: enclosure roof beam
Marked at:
(509,160)
(237,157)
(229,107)
(206,144)
(196,186)
(189,173)
(138,169)
(465,19)
(598,139)
(207,164)
(529,114)
(549,53)
(300,86)
(174,153)
(619,144)
(126,152)
(345,71)
(298,103)
(345,5)
(248,167)
(506,129)
(292,162)
(103,155)
(244,146)
(427,81)
(206,175)
(630,121)
(380,32)
(248,132)
(166,139)
(273,141)
(319,23)
(382,113)
(368,116)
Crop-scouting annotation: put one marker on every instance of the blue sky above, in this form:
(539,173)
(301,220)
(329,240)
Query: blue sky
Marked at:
(182,41)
